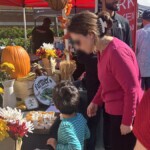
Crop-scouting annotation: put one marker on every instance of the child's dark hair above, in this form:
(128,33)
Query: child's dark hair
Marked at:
(66,97)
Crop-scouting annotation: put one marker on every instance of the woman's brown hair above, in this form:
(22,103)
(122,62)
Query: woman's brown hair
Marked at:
(87,22)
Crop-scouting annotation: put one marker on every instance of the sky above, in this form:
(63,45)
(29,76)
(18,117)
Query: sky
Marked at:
(144,2)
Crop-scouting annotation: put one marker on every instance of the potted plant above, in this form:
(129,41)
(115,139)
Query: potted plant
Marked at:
(6,71)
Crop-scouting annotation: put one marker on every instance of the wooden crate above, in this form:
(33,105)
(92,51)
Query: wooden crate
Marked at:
(8,144)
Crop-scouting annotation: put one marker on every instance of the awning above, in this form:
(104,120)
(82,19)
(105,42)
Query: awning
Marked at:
(43,3)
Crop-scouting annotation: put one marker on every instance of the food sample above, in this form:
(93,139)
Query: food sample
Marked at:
(41,119)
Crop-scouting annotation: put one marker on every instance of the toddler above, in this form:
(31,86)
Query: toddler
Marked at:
(73,129)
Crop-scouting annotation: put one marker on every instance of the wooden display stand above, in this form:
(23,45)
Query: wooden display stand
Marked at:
(8,144)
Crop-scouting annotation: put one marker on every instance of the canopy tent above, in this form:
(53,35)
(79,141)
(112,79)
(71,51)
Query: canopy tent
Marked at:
(43,3)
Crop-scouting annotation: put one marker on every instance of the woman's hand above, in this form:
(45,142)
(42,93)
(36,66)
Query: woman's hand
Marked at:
(52,142)
(92,109)
(126,129)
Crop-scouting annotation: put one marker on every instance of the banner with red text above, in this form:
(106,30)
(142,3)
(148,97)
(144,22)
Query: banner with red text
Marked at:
(128,9)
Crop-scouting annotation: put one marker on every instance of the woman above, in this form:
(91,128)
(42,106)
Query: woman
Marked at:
(142,124)
(118,73)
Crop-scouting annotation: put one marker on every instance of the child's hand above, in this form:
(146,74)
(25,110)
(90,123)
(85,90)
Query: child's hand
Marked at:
(52,142)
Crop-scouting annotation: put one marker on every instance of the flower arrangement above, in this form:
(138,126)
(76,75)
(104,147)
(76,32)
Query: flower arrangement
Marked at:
(6,71)
(46,51)
(3,130)
(12,124)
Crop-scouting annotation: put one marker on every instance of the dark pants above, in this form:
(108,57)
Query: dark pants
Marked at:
(118,141)
(106,130)
(93,125)
(54,128)
(145,83)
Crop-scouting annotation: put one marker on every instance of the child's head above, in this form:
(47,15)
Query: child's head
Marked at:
(66,97)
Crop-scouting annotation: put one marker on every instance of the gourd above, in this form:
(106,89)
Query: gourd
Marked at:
(57,4)
(17,56)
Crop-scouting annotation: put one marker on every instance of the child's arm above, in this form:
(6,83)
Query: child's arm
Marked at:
(87,132)
(71,140)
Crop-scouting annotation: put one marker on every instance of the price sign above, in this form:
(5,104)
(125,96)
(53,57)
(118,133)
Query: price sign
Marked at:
(43,87)
(31,103)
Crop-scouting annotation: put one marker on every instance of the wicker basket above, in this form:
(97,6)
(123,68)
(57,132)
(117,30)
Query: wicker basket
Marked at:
(57,4)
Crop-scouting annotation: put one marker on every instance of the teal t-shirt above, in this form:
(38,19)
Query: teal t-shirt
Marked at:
(72,133)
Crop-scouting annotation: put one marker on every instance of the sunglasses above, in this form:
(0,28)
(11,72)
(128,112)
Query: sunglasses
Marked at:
(76,42)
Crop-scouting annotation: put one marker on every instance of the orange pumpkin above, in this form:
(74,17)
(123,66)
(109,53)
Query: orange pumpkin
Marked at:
(17,56)
(57,4)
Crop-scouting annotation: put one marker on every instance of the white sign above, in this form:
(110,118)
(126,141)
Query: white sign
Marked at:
(31,103)
(43,87)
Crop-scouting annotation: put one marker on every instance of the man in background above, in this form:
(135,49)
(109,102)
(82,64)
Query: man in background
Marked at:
(143,50)
(121,28)
(42,34)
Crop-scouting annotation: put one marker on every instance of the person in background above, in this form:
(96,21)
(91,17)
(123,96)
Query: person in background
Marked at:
(118,72)
(141,126)
(120,27)
(42,34)
(143,50)
(73,129)
(92,84)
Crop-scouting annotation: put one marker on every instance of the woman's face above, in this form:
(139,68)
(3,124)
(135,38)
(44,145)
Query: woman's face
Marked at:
(83,43)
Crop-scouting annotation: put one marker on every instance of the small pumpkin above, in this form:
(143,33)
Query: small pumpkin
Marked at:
(17,56)
(57,4)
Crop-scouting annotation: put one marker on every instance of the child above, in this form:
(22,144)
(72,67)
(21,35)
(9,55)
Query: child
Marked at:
(73,130)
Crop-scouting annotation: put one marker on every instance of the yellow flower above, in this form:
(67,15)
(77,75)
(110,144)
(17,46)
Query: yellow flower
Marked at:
(1,91)
(3,130)
(51,53)
(8,68)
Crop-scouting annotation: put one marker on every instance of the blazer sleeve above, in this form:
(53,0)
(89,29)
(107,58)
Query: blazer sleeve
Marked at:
(141,127)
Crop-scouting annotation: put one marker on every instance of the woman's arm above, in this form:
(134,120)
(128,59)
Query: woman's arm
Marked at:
(124,68)
(71,140)
(98,97)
